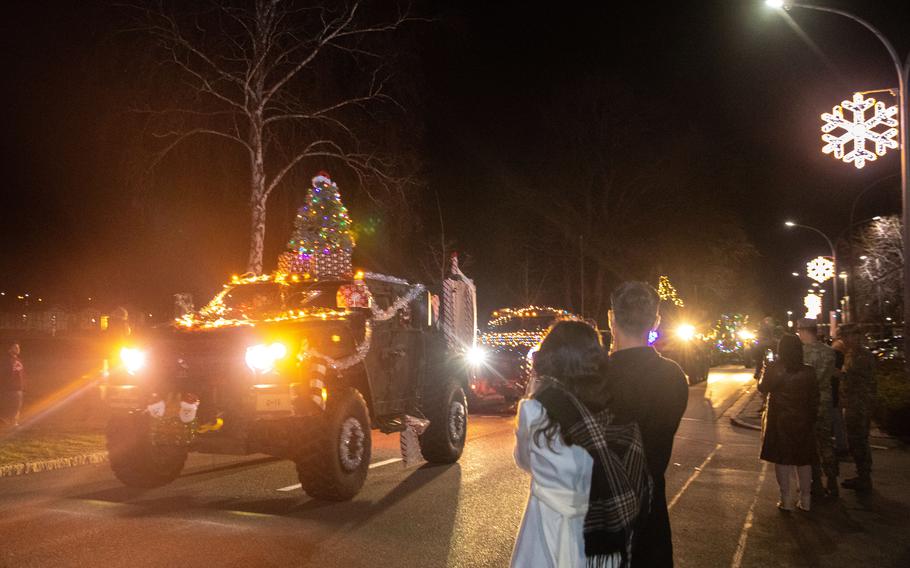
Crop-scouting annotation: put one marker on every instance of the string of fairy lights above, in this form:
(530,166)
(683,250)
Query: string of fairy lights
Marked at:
(505,315)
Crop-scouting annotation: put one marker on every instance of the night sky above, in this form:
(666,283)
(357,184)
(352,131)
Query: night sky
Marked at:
(489,81)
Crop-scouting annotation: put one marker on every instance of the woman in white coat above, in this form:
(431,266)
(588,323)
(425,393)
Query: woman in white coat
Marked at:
(553,531)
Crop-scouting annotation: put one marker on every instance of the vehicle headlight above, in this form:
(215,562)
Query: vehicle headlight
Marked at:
(746,335)
(685,332)
(476,356)
(133,359)
(262,358)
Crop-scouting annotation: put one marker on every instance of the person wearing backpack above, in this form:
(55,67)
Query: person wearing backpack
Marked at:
(590,488)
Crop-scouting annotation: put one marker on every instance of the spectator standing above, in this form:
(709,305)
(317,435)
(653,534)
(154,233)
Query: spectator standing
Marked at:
(859,395)
(589,483)
(788,424)
(12,385)
(821,358)
(837,406)
(652,391)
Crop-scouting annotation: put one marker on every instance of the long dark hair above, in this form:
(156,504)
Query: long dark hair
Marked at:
(790,350)
(571,355)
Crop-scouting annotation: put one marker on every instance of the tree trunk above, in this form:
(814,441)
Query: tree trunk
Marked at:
(258,197)
(257,236)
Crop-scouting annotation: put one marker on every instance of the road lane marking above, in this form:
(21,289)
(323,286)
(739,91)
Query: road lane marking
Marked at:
(744,534)
(385,462)
(372,465)
(692,477)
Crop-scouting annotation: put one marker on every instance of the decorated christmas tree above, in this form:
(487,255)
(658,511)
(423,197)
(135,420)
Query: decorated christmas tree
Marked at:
(322,241)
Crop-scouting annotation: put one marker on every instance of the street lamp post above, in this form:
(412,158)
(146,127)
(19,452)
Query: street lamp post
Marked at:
(903,77)
(833,260)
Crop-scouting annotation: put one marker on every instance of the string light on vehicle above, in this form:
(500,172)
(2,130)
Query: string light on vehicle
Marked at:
(820,269)
(504,315)
(880,129)
(512,338)
(813,304)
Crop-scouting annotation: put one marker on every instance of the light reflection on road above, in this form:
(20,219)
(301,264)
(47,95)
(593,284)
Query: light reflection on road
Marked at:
(724,385)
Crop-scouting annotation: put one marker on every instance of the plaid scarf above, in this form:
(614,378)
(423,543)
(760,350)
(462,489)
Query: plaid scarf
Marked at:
(621,486)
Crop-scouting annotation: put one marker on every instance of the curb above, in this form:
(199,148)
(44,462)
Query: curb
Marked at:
(52,464)
(743,424)
(740,407)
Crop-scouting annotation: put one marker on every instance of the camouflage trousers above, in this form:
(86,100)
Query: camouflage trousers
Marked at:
(826,458)
(857,423)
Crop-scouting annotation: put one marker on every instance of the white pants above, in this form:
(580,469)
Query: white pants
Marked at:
(786,475)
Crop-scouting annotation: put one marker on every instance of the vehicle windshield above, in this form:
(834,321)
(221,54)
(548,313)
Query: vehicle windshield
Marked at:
(261,300)
(253,301)
(536,323)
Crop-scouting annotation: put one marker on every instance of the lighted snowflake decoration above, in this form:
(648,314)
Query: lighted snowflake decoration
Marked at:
(880,129)
(820,269)
(813,303)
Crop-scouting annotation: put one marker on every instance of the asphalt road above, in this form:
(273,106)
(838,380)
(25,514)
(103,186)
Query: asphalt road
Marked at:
(245,512)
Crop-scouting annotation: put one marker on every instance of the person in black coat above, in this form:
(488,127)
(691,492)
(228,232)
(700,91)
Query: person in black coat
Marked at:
(651,390)
(788,424)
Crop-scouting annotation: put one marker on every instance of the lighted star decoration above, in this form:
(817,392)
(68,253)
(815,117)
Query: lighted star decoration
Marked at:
(880,129)
(820,269)
(813,303)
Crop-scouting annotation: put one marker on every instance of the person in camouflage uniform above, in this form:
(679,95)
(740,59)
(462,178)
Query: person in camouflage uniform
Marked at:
(859,396)
(821,358)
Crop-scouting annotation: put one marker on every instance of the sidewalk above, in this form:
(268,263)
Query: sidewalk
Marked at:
(750,416)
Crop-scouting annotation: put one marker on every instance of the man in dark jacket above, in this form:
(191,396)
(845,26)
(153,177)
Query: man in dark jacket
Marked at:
(650,390)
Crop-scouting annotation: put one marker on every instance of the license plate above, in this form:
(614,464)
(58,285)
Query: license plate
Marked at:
(273,403)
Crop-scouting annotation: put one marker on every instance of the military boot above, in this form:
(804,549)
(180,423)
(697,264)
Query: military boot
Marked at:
(861,484)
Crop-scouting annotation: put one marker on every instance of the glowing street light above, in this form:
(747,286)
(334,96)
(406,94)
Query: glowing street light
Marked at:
(791,224)
(903,78)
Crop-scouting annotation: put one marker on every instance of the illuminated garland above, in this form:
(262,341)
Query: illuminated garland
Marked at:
(212,315)
(364,346)
(512,339)
(504,315)
(667,292)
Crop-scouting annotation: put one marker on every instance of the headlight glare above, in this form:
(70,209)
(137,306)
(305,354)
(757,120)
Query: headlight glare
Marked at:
(262,358)
(686,332)
(133,359)
(476,356)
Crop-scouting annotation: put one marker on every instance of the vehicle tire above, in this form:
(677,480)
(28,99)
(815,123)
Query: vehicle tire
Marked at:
(135,460)
(447,410)
(333,465)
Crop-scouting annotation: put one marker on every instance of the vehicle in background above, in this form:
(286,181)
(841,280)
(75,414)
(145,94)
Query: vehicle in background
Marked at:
(501,361)
(682,343)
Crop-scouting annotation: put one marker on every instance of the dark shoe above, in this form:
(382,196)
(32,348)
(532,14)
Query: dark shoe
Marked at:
(832,488)
(818,490)
(860,484)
